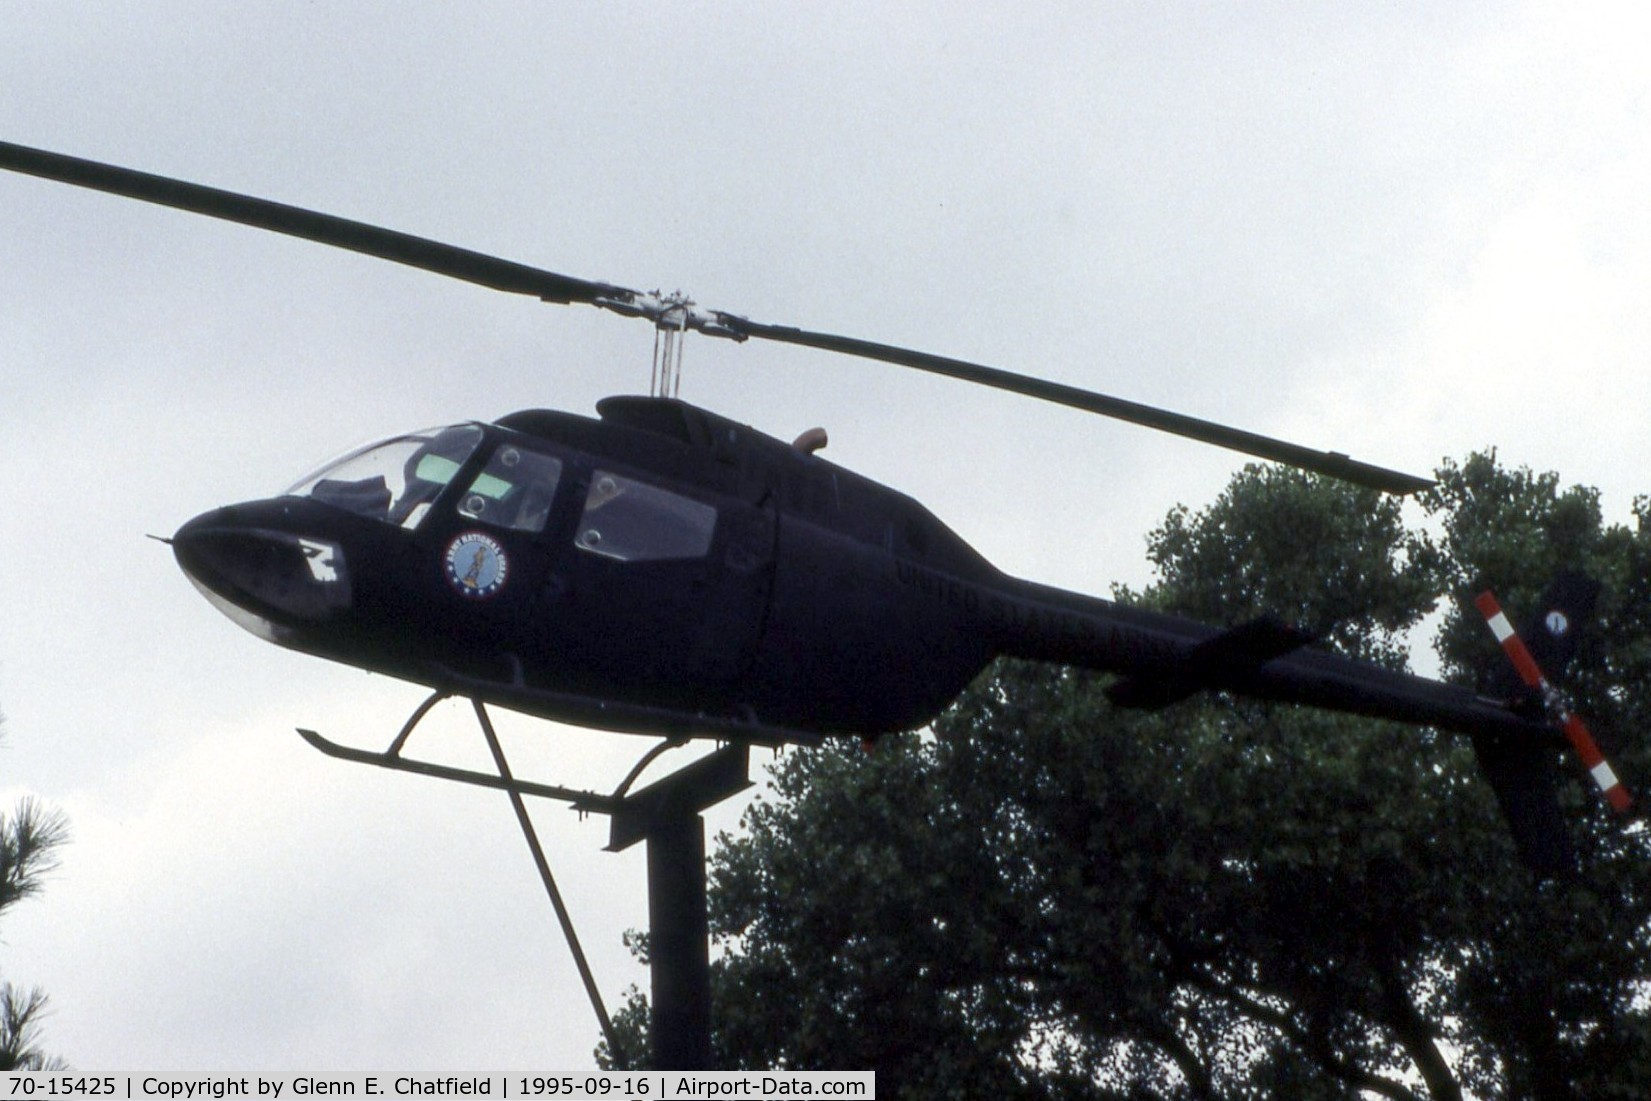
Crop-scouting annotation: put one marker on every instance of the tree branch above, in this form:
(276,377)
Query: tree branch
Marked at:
(1315,1047)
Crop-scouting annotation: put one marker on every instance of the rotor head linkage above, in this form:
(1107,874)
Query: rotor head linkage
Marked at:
(673,312)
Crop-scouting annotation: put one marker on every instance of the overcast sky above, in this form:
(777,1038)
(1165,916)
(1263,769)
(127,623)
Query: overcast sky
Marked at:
(1403,231)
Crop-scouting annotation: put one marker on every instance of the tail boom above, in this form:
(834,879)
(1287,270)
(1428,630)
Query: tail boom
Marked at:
(1165,658)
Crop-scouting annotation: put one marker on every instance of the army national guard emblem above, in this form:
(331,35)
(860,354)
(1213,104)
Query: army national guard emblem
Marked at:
(476,565)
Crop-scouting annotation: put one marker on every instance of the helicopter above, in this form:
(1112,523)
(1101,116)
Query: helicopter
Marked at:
(662,569)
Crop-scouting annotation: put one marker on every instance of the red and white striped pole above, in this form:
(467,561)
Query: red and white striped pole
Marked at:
(1581,740)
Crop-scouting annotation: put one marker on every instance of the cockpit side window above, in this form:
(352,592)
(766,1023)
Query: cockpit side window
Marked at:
(514,490)
(396,479)
(636,522)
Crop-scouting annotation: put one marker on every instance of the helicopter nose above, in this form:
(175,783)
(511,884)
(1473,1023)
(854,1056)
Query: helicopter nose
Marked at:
(264,578)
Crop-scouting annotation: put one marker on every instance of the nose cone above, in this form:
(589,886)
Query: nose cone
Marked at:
(269,580)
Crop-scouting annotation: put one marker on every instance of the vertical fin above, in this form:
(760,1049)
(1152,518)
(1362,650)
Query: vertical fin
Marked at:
(1523,777)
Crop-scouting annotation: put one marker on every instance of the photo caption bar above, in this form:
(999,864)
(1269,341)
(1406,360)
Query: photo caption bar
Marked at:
(642,1085)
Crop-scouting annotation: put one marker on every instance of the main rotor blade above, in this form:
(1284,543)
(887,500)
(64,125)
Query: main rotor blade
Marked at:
(1331,463)
(506,275)
(386,244)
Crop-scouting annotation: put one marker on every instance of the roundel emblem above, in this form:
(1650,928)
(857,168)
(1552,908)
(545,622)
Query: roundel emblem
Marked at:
(476,565)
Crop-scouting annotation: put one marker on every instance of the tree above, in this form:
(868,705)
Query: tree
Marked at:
(1052,897)
(29,837)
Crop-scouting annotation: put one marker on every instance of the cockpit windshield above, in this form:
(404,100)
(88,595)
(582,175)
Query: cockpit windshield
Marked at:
(393,480)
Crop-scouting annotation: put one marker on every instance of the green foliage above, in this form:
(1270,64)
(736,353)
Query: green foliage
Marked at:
(1334,560)
(29,838)
(20,1013)
(1053,898)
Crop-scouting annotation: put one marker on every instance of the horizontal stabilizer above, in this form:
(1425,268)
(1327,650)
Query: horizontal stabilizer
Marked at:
(1214,663)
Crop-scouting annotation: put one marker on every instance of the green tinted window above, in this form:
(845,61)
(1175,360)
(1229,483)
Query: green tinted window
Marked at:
(514,490)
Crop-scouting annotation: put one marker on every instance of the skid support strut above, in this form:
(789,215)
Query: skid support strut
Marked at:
(539,861)
(665,814)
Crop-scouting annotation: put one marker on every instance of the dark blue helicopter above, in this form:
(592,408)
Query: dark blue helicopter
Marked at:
(662,569)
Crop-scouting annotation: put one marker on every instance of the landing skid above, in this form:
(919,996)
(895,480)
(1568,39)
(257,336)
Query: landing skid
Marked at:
(666,815)
(584,801)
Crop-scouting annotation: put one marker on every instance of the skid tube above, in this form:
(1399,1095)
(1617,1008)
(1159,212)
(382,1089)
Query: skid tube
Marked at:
(666,815)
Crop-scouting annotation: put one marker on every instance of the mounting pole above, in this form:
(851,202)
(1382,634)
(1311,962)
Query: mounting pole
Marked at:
(679,1017)
(666,814)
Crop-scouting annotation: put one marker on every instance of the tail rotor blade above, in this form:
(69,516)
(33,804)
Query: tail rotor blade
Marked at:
(1576,732)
